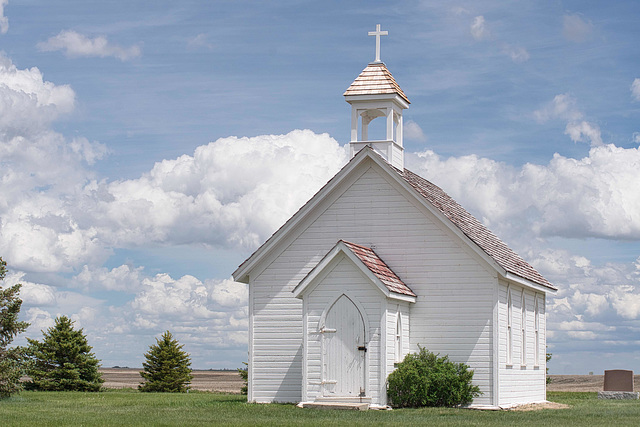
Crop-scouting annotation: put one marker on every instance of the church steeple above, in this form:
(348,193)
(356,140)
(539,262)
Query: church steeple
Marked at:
(375,93)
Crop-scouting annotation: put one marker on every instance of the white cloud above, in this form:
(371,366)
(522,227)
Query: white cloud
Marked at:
(33,294)
(232,192)
(584,132)
(201,40)
(636,137)
(478,29)
(591,197)
(124,278)
(28,104)
(88,151)
(41,175)
(229,293)
(413,132)
(576,29)
(564,107)
(75,44)
(635,89)
(4,21)
(518,54)
(38,320)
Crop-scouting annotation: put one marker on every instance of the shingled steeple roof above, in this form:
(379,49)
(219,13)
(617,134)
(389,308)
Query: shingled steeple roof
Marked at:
(375,79)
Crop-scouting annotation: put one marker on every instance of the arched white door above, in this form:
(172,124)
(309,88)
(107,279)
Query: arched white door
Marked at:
(344,350)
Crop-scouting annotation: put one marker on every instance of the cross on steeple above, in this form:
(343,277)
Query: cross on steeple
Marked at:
(378,33)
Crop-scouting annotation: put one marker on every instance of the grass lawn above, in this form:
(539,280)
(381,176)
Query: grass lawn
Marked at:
(128,407)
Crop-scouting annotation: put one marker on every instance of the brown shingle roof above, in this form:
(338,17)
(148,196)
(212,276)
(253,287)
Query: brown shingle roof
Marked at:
(474,229)
(379,269)
(375,79)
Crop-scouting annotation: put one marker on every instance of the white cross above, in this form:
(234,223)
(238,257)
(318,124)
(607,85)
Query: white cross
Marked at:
(378,33)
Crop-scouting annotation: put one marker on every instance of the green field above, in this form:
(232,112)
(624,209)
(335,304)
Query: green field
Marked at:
(128,407)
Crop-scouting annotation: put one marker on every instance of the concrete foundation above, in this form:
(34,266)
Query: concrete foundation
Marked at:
(618,395)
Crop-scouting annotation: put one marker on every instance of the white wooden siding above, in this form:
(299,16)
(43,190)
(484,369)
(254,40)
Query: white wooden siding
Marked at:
(454,311)
(521,383)
(395,309)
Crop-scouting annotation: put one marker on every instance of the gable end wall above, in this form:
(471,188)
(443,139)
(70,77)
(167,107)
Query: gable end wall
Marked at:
(456,290)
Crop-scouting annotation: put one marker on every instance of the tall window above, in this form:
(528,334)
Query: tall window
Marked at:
(536,310)
(398,338)
(523,330)
(509,332)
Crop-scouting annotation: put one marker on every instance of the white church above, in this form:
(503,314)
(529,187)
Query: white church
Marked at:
(380,261)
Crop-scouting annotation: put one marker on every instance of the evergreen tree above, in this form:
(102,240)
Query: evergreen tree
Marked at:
(10,358)
(167,368)
(63,360)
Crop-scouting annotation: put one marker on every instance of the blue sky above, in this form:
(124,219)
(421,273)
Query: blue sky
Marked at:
(147,148)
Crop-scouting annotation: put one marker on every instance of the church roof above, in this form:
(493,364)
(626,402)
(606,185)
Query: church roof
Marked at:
(474,229)
(375,79)
(379,268)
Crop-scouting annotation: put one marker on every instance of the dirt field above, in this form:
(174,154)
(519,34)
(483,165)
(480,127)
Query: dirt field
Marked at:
(224,381)
(582,383)
(230,381)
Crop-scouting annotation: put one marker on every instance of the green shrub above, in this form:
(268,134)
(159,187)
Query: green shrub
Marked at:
(424,379)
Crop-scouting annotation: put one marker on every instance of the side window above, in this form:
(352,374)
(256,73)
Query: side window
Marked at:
(523,332)
(536,309)
(398,340)
(509,332)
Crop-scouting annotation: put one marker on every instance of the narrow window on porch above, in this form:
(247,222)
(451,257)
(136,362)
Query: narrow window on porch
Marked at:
(398,340)
(536,310)
(523,327)
(509,333)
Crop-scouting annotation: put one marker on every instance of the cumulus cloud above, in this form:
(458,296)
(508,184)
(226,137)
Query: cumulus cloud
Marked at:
(41,175)
(413,131)
(584,132)
(564,107)
(591,197)
(575,28)
(75,45)
(28,104)
(34,294)
(233,192)
(478,28)
(4,21)
(635,89)
(124,278)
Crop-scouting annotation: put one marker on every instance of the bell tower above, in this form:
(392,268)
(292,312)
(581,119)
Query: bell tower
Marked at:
(375,94)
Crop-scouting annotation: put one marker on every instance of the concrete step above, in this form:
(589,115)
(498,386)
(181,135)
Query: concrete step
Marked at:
(351,406)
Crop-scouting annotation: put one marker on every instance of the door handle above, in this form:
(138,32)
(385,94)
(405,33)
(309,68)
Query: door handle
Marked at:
(362,348)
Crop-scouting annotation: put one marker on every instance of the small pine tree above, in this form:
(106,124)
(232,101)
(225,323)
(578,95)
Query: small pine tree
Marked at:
(244,374)
(167,368)
(10,358)
(63,361)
